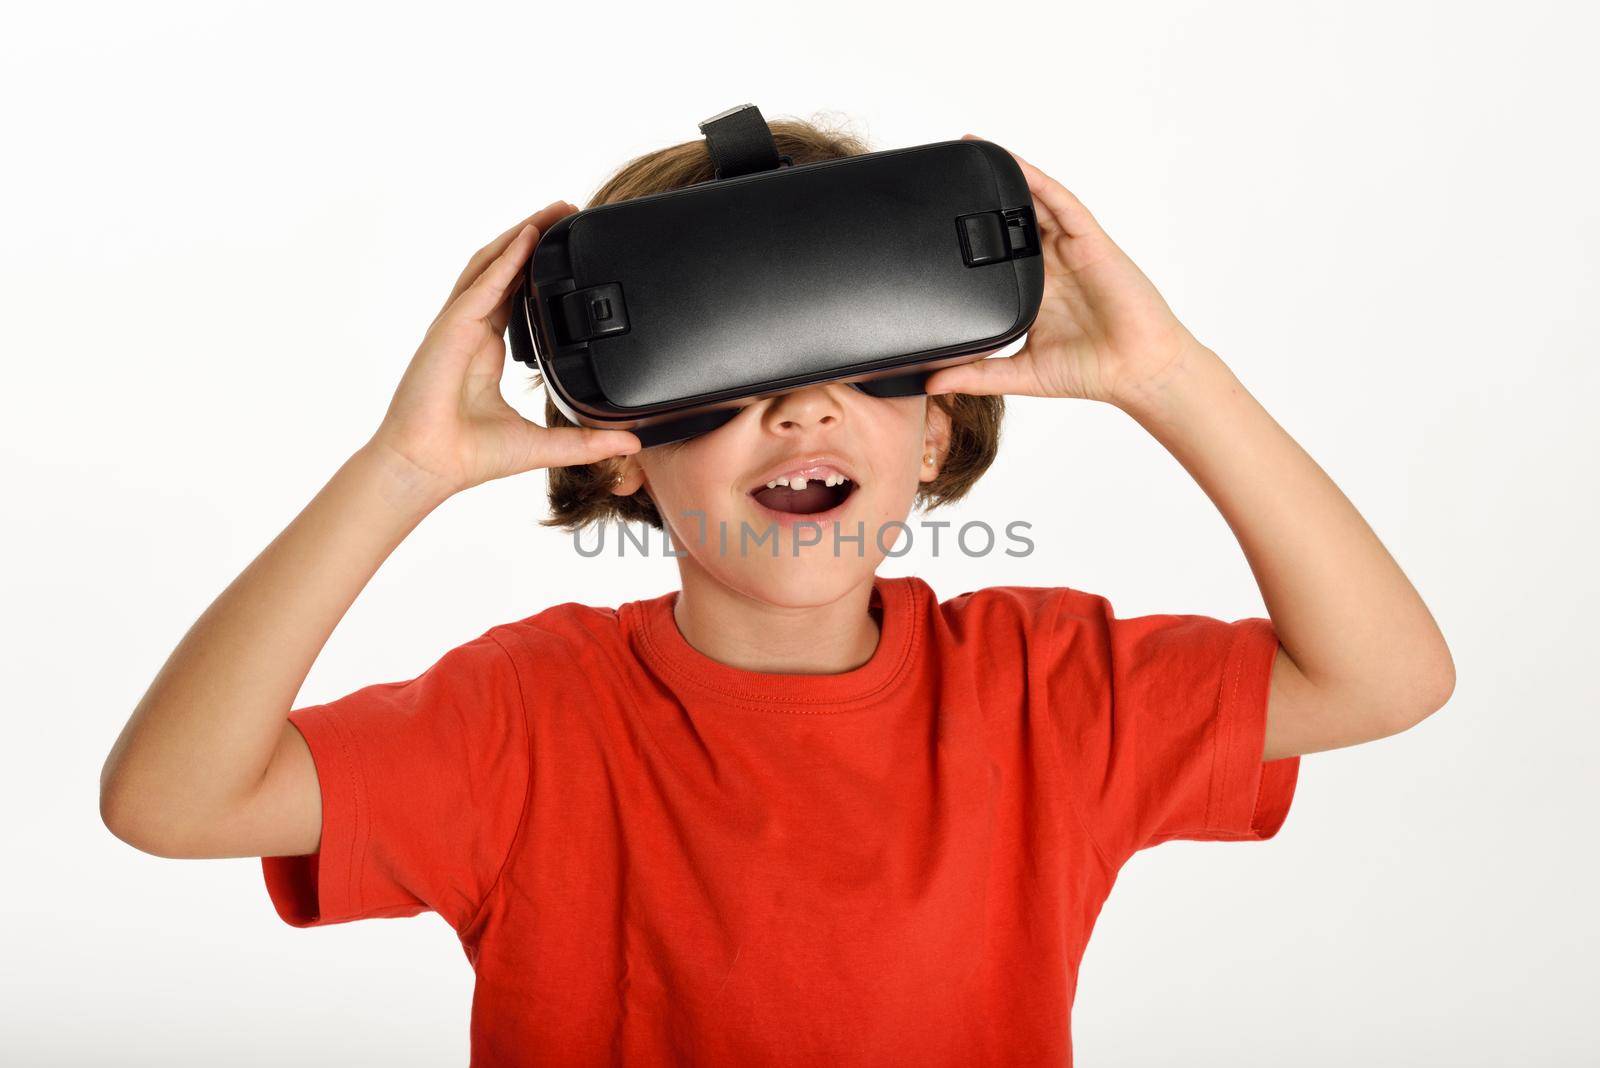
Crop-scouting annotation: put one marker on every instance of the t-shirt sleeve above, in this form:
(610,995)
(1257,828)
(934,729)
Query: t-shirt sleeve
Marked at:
(1167,723)
(423,785)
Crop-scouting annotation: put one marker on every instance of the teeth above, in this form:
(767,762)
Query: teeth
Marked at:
(800,483)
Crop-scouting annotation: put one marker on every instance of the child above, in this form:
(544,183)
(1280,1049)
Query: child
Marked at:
(791,813)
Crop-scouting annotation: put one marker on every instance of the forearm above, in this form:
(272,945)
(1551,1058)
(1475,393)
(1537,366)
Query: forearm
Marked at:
(1345,613)
(205,732)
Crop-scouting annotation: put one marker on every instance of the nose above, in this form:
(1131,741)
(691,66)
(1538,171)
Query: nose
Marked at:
(803,410)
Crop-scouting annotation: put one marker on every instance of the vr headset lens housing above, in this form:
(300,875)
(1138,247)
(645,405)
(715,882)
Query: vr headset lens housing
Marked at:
(666,314)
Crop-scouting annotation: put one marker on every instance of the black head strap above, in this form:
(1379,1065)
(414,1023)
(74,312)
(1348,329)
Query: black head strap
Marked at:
(740,142)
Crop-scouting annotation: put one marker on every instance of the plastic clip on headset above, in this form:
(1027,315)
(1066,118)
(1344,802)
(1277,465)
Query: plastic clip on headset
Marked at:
(665,314)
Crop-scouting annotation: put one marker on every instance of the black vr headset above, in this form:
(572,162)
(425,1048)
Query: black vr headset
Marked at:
(665,314)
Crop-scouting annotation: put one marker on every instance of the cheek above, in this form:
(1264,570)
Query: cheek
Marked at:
(900,442)
(686,484)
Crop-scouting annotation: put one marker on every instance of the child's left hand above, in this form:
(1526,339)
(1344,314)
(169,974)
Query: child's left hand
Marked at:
(1103,333)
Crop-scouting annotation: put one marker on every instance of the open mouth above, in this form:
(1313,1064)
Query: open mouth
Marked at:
(804,496)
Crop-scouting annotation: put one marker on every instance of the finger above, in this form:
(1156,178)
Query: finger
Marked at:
(486,296)
(543,218)
(1065,210)
(570,446)
(488,253)
(484,256)
(500,318)
(1048,223)
(982,378)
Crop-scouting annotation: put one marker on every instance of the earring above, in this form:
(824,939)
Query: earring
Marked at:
(927,459)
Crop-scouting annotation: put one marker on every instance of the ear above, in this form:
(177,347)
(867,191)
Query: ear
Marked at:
(935,439)
(627,477)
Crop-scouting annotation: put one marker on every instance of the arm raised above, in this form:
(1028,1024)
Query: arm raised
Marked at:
(1360,656)
(209,764)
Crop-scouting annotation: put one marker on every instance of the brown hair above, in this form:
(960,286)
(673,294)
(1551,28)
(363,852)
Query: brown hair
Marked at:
(581,494)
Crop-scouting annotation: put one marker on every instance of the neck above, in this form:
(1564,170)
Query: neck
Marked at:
(752,635)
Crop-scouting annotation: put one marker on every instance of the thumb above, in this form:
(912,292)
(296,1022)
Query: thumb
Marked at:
(572,446)
(987,377)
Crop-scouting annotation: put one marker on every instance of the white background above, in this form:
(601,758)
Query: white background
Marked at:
(226,227)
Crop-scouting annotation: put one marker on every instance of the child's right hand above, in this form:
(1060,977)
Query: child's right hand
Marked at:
(448,419)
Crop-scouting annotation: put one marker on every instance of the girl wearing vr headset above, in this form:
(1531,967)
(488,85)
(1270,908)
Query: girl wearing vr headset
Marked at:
(792,812)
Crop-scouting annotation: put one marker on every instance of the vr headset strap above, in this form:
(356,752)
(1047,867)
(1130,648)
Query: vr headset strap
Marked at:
(740,142)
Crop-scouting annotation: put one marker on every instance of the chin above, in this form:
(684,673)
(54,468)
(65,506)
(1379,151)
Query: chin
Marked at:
(814,578)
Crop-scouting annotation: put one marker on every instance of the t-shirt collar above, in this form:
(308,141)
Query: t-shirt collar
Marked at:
(654,633)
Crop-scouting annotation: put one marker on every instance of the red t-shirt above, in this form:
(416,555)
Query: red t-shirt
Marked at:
(651,857)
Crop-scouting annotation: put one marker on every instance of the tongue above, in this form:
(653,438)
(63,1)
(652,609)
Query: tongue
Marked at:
(816,497)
